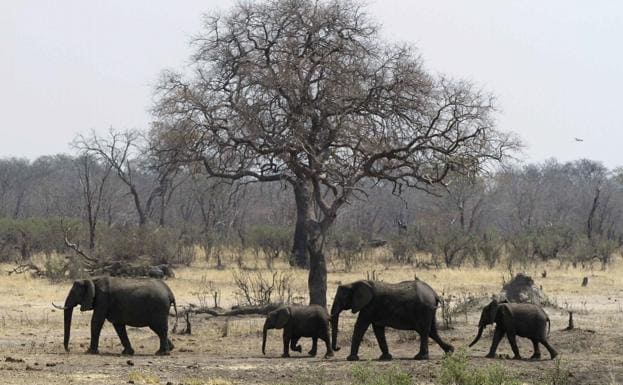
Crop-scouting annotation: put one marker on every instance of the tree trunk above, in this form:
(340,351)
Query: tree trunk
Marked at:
(142,217)
(591,214)
(92,225)
(317,280)
(302,196)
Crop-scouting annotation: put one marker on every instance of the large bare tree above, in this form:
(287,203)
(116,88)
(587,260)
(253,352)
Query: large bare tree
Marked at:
(308,93)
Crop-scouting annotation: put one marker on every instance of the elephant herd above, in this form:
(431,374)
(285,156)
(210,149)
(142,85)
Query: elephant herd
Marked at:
(408,305)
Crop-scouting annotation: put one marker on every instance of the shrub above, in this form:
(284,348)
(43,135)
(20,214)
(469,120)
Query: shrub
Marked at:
(559,375)
(59,267)
(597,248)
(254,289)
(456,370)
(349,246)
(453,246)
(550,241)
(520,248)
(370,375)
(20,238)
(405,245)
(489,248)
(271,241)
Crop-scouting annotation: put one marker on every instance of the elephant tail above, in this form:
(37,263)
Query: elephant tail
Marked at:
(549,326)
(172,302)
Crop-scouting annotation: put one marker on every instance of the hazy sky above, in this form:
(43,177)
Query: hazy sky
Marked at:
(556,66)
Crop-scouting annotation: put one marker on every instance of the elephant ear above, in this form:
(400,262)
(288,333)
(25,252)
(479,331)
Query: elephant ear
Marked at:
(362,295)
(504,316)
(89,295)
(283,315)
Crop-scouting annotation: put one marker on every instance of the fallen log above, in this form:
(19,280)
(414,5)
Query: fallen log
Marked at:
(234,311)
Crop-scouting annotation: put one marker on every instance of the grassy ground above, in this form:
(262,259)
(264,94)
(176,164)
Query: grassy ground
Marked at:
(228,350)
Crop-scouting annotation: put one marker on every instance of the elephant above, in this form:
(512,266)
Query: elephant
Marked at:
(296,322)
(515,319)
(137,303)
(408,305)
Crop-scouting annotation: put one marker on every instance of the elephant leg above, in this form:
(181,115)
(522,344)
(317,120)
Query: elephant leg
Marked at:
(423,331)
(97,322)
(513,341)
(125,341)
(435,336)
(327,340)
(361,326)
(537,352)
(161,329)
(294,346)
(552,352)
(497,337)
(286,343)
(379,332)
(314,348)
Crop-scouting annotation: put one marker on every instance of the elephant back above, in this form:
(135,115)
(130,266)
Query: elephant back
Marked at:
(411,291)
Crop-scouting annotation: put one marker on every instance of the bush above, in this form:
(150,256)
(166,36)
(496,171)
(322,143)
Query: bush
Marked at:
(550,241)
(271,241)
(349,247)
(456,370)
(59,267)
(370,375)
(405,245)
(489,248)
(21,238)
(453,246)
(586,250)
(128,243)
(520,248)
(254,289)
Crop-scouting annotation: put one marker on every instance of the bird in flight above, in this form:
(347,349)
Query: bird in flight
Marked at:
(579,139)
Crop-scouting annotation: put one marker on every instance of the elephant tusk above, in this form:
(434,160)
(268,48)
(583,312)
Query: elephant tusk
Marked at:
(59,307)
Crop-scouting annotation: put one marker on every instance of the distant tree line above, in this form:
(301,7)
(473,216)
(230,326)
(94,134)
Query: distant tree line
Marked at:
(571,212)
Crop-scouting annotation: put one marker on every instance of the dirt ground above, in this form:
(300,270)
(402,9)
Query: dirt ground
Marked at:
(224,351)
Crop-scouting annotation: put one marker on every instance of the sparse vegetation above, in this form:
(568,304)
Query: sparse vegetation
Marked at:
(258,289)
(456,369)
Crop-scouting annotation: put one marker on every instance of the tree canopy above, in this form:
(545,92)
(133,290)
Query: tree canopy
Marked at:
(307,92)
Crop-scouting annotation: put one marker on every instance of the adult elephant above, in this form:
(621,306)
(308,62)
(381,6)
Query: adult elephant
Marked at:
(408,305)
(123,302)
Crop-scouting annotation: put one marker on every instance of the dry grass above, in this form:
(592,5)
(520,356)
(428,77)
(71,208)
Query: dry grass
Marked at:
(562,284)
(29,327)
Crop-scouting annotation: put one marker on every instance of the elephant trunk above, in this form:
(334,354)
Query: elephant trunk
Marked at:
(335,319)
(67,324)
(481,327)
(264,333)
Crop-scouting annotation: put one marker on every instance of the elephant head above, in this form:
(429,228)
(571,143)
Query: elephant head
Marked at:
(490,314)
(276,319)
(353,296)
(82,293)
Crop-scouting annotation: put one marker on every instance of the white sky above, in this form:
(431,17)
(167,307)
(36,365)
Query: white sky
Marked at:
(556,66)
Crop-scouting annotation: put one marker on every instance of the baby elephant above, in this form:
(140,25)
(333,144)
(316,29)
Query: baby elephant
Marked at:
(515,319)
(296,322)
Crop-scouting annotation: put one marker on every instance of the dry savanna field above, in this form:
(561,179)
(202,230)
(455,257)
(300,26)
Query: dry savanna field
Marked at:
(227,350)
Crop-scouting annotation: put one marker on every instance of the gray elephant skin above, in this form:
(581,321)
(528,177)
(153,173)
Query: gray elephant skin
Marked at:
(516,319)
(408,305)
(123,302)
(296,322)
